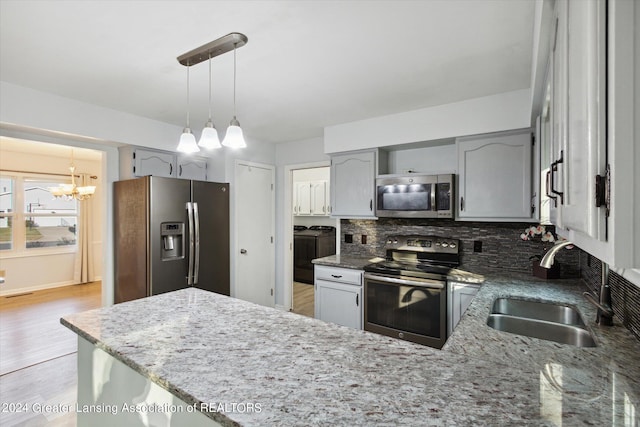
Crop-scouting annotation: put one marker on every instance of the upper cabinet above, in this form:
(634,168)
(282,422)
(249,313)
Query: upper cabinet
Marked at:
(136,162)
(319,196)
(577,81)
(190,167)
(353,178)
(156,163)
(495,177)
(589,125)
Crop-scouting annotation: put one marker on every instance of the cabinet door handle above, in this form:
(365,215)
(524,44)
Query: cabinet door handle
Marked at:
(554,169)
(180,170)
(371,205)
(170,168)
(336,276)
(548,187)
(461,203)
(357,300)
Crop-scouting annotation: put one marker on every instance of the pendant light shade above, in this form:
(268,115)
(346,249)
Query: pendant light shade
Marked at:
(209,138)
(234,137)
(187,142)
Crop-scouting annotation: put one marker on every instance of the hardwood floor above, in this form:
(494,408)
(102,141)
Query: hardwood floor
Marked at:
(303,299)
(38,358)
(30,329)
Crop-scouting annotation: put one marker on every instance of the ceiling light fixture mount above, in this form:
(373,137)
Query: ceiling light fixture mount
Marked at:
(212,49)
(209,138)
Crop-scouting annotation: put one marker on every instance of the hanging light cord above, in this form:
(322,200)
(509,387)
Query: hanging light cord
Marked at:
(188,104)
(234,80)
(209,86)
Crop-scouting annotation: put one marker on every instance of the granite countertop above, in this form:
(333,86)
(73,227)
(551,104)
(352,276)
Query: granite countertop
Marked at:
(346,261)
(206,347)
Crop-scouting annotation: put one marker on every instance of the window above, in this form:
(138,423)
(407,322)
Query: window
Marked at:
(6,213)
(31,218)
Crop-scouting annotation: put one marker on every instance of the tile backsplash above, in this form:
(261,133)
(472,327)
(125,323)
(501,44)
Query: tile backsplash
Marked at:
(625,296)
(502,247)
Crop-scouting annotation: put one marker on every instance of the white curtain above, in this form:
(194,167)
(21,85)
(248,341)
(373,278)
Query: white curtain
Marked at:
(84,269)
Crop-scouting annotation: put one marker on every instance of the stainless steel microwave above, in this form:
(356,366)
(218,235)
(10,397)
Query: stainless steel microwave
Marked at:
(415,196)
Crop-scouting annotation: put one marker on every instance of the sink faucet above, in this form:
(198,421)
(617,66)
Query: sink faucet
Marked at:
(547,259)
(605,313)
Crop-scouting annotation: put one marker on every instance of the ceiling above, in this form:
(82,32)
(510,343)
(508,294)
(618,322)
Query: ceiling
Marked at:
(307,64)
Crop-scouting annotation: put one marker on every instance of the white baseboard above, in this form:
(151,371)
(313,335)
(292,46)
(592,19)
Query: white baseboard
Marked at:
(16,291)
(281,307)
(25,290)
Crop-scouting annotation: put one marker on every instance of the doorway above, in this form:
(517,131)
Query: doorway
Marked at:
(314,231)
(254,244)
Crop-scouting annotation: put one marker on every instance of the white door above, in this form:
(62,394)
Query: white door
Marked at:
(255,231)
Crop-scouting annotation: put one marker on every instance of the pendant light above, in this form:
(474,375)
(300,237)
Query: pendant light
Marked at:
(234,137)
(187,142)
(209,138)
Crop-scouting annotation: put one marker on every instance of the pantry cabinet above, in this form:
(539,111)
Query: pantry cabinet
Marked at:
(495,177)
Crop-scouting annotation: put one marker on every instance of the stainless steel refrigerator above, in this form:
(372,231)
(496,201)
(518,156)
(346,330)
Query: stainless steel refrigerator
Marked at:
(170,234)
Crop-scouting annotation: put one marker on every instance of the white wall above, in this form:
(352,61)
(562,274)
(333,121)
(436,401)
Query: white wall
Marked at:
(510,110)
(39,110)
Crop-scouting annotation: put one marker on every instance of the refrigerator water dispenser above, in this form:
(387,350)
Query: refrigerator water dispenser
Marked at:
(172,234)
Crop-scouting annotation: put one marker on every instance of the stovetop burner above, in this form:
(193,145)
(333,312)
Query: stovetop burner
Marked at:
(418,256)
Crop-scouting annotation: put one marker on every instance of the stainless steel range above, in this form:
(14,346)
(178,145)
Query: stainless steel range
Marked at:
(406,295)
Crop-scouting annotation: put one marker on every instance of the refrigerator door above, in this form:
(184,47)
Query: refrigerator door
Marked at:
(168,209)
(212,199)
(131,238)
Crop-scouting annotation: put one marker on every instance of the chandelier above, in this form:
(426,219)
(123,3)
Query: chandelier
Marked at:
(72,191)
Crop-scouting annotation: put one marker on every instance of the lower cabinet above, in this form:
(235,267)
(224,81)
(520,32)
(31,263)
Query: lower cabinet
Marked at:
(460,296)
(338,296)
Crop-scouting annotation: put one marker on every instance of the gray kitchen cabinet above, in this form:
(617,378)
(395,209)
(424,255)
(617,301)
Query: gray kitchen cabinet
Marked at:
(495,177)
(353,184)
(136,162)
(338,296)
(460,297)
(190,167)
(593,86)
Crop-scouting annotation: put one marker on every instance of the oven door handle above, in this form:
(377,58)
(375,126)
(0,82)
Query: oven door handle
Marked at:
(424,283)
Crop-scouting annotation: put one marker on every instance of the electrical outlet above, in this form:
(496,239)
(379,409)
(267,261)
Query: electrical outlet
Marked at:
(348,238)
(477,246)
(363,239)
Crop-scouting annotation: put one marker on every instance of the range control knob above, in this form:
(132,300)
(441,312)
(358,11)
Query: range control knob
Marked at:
(445,245)
(452,245)
(389,242)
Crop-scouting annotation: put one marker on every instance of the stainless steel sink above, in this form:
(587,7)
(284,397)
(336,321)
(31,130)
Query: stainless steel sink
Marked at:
(543,320)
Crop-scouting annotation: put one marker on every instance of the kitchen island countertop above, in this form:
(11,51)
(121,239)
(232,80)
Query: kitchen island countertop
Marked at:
(205,347)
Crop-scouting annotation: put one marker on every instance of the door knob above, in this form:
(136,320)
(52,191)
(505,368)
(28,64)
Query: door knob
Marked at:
(243,251)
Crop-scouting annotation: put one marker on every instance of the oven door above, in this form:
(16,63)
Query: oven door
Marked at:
(411,309)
